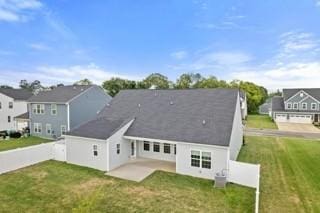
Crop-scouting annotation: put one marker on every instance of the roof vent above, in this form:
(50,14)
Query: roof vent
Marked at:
(81,89)
(139,105)
(203,122)
(171,102)
(74,87)
(301,94)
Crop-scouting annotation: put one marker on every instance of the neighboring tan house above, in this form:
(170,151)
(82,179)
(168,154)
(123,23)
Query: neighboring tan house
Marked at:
(13,102)
(265,109)
(54,112)
(297,106)
(199,130)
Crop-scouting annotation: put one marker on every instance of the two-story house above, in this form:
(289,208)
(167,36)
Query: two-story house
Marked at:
(297,106)
(52,113)
(13,102)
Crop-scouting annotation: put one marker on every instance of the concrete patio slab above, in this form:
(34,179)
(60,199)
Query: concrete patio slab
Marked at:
(140,168)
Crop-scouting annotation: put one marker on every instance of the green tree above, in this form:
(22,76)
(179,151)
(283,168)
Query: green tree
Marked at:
(83,82)
(114,85)
(34,86)
(155,79)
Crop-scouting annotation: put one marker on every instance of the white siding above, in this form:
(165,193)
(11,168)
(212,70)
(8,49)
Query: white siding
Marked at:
(236,134)
(219,160)
(19,107)
(156,155)
(116,160)
(80,152)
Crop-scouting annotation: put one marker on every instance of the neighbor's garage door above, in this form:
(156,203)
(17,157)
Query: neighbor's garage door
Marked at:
(300,119)
(281,118)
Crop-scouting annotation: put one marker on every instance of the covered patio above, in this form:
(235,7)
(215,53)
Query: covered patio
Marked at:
(140,168)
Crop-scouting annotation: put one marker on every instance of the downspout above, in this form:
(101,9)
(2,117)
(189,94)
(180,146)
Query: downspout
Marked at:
(68,117)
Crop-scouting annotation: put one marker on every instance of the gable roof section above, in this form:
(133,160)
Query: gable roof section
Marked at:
(277,103)
(314,92)
(175,115)
(61,94)
(17,94)
(99,128)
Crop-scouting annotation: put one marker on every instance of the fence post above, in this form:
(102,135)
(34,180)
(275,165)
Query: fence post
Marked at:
(257,191)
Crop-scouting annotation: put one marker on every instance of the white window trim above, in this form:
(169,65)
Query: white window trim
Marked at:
(302,104)
(200,166)
(65,127)
(289,104)
(314,104)
(170,150)
(56,109)
(157,144)
(196,150)
(297,104)
(37,126)
(47,125)
(118,148)
(146,142)
(95,149)
(41,109)
(10,103)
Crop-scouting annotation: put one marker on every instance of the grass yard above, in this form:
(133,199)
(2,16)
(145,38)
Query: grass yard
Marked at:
(21,142)
(290,179)
(261,122)
(59,187)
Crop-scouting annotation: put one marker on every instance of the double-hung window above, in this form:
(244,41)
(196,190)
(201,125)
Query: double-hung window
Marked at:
(63,129)
(118,148)
(95,150)
(313,106)
(195,158)
(167,148)
(304,106)
(48,129)
(9,119)
(289,105)
(206,160)
(201,159)
(53,109)
(38,108)
(156,147)
(146,146)
(10,105)
(37,127)
(295,106)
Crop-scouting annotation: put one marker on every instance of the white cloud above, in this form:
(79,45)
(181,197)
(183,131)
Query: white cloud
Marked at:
(297,41)
(318,3)
(39,46)
(179,54)
(292,75)
(16,10)
(51,75)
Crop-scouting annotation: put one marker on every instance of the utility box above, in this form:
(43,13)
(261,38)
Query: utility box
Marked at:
(220,180)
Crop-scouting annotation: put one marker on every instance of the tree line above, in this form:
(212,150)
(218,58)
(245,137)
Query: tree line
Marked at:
(256,95)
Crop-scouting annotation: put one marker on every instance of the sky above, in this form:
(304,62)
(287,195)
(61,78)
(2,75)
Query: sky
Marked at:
(274,43)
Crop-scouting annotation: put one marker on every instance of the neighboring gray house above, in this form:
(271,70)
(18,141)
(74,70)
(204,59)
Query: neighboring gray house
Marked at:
(52,113)
(297,106)
(13,102)
(265,109)
(199,130)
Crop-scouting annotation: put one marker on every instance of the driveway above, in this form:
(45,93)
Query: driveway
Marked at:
(297,127)
(140,168)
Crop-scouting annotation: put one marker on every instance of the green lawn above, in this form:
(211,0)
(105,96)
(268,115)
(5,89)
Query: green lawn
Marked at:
(290,172)
(21,142)
(59,187)
(261,122)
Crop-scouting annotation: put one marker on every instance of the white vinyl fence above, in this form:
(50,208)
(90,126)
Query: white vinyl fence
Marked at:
(21,157)
(245,174)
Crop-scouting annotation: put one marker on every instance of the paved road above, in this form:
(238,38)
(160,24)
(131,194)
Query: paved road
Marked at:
(273,132)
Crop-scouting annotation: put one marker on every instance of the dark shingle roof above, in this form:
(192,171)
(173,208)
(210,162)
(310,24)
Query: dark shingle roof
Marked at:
(99,128)
(314,92)
(175,115)
(277,103)
(17,94)
(23,116)
(59,94)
